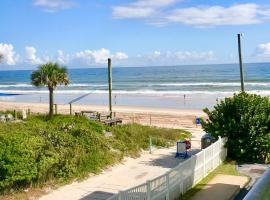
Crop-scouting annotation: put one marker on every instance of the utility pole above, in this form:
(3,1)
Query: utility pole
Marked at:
(240,62)
(110,84)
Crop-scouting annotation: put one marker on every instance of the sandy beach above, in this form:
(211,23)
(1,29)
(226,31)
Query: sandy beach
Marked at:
(163,117)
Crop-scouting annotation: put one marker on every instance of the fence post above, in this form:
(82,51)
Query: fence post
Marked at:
(219,149)
(70,109)
(148,190)
(15,114)
(167,186)
(204,171)
(212,156)
(150,145)
(150,119)
(55,109)
(120,196)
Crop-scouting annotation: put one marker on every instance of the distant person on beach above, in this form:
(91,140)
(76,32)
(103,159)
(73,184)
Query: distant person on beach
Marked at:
(184,98)
(114,99)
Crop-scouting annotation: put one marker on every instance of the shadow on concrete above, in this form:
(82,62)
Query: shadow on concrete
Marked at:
(216,191)
(169,160)
(98,195)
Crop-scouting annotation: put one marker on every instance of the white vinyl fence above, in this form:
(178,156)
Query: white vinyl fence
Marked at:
(179,179)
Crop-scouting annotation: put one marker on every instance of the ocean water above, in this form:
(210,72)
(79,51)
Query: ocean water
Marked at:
(168,86)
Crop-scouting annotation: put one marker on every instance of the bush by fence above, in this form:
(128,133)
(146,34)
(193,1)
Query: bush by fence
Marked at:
(245,120)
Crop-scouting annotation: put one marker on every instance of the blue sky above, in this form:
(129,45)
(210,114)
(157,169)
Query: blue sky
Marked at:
(80,33)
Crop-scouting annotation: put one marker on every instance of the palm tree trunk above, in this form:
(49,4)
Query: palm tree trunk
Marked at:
(51,102)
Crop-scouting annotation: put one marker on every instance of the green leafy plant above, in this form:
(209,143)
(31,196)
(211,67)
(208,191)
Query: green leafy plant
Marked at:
(57,150)
(245,120)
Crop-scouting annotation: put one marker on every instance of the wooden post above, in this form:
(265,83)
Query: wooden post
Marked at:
(150,119)
(28,112)
(15,114)
(240,62)
(70,108)
(150,145)
(55,109)
(110,84)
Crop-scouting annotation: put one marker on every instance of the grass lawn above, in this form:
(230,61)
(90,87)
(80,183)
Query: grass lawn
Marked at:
(226,168)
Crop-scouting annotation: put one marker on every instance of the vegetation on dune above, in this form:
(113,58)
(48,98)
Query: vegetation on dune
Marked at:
(245,120)
(50,75)
(57,150)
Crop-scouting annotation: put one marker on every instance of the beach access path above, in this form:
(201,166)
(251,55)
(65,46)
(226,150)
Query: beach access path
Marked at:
(131,172)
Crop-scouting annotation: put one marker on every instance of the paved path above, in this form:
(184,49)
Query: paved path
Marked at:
(130,173)
(221,187)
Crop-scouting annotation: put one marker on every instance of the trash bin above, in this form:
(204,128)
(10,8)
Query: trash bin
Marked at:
(207,140)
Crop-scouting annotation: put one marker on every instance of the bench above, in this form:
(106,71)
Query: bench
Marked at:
(112,122)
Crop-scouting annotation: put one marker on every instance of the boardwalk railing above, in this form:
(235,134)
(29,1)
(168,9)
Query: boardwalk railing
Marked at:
(179,179)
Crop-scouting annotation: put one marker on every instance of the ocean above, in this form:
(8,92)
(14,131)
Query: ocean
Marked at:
(195,86)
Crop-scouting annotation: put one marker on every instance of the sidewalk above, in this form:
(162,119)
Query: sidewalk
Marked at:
(131,172)
(221,187)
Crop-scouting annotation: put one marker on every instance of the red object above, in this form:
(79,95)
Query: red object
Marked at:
(188,144)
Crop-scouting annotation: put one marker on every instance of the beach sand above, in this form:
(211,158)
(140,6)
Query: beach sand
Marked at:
(162,117)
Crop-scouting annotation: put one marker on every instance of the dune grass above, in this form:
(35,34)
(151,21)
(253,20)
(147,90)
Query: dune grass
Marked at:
(42,151)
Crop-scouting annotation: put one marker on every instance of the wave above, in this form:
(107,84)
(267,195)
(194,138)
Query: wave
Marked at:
(136,92)
(24,85)
(214,84)
(183,84)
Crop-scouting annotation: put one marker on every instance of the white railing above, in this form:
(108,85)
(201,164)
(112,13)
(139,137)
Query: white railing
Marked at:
(179,179)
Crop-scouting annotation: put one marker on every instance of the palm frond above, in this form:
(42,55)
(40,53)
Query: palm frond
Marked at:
(50,75)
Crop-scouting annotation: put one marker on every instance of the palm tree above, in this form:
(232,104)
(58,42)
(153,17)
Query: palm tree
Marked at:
(50,75)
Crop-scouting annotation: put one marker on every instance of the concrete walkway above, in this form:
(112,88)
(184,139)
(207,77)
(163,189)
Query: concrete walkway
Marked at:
(130,173)
(221,187)
(123,176)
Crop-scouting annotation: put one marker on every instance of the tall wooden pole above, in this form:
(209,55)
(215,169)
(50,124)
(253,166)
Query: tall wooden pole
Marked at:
(240,62)
(110,84)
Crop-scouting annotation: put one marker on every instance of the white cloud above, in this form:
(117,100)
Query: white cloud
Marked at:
(31,56)
(217,15)
(263,51)
(131,12)
(160,13)
(9,56)
(120,56)
(93,57)
(54,5)
(184,56)
(99,56)
(62,58)
(141,8)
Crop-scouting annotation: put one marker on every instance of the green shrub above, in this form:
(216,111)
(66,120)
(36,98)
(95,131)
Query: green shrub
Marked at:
(245,120)
(58,150)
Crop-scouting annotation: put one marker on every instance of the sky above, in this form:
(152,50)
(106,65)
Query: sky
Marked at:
(84,33)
